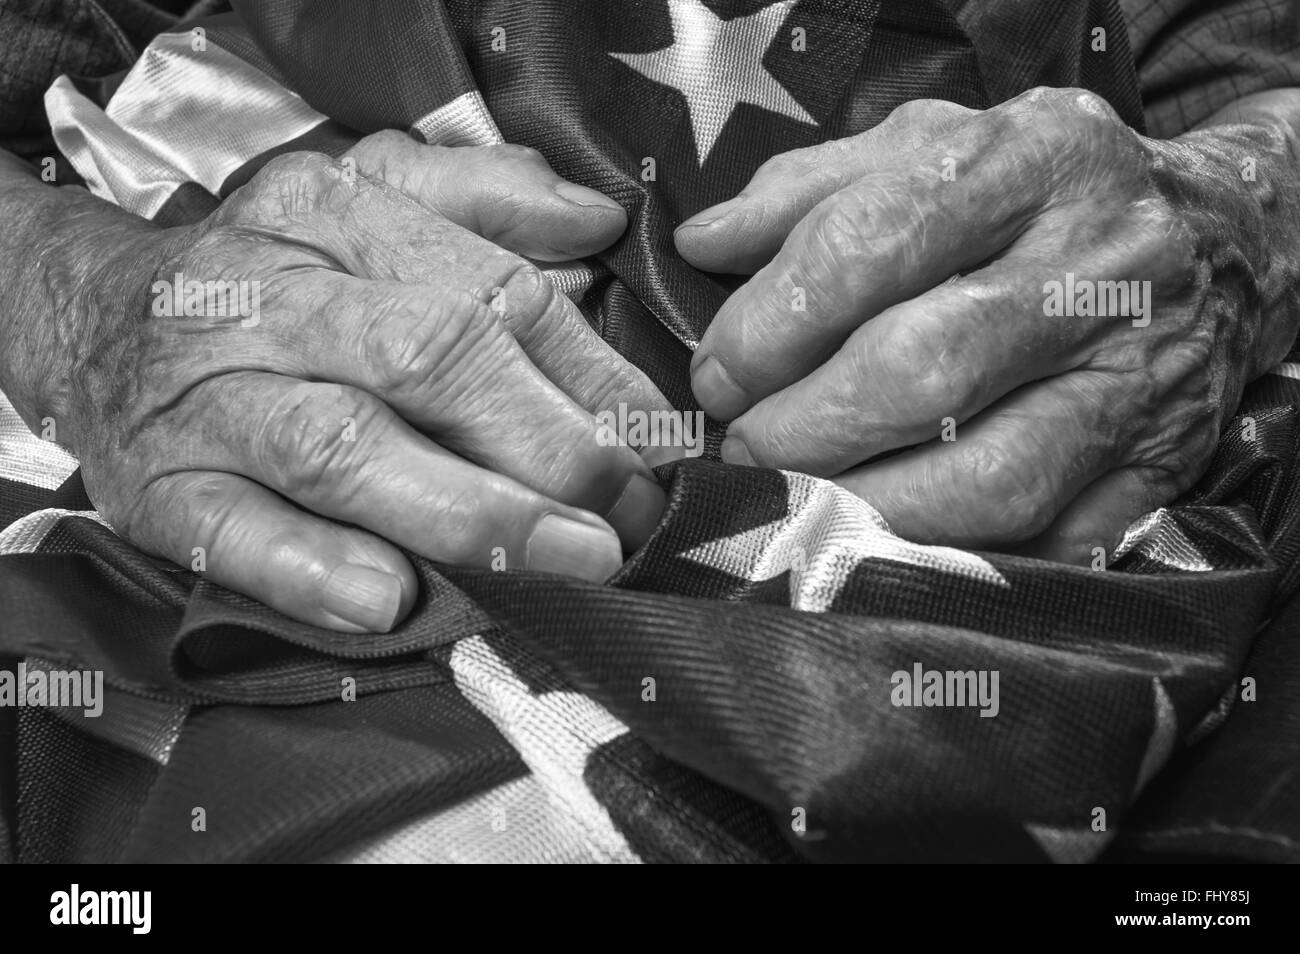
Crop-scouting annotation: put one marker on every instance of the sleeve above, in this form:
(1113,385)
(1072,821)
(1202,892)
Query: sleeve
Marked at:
(1194,57)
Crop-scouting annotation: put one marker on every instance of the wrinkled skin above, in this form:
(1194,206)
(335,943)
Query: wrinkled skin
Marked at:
(409,380)
(1060,430)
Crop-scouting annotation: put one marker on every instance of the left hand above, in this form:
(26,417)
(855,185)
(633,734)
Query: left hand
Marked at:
(1011,427)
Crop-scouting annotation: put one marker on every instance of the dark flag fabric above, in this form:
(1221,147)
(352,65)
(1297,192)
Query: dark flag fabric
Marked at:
(771,677)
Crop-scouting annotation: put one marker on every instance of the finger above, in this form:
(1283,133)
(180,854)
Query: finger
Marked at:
(932,362)
(507,194)
(890,236)
(742,234)
(449,365)
(440,352)
(1094,523)
(343,454)
(380,233)
(246,538)
(1009,471)
(916,369)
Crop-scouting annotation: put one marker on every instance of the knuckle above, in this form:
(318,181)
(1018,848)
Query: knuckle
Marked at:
(926,112)
(1090,106)
(290,170)
(947,109)
(1064,117)
(1055,98)
(404,353)
(1078,139)
(1065,99)
(301,436)
(464,524)
(1018,497)
(292,553)
(295,185)
(773,166)
(1032,101)
(840,229)
(923,113)
(947,389)
(785,164)
(912,109)
(912,360)
(934,378)
(436,353)
(379,156)
(382,143)
(514,152)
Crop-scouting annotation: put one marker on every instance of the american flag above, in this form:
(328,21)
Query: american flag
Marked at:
(733,694)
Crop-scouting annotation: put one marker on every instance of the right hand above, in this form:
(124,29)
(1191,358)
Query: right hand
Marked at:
(407,381)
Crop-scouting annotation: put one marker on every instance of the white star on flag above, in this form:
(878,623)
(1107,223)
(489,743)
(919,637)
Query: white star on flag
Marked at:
(1158,536)
(555,733)
(824,535)
(718,64)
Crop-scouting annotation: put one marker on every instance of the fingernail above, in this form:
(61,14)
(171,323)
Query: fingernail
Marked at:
(715,390)
(710,215)
(637,512)
(587,198)
(654,456)
(364,596)
(735,451)
(569,548)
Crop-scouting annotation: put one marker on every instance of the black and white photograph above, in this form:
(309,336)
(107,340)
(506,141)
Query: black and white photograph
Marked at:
(651,431)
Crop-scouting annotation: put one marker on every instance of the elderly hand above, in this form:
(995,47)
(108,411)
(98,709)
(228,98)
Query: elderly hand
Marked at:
(1009,409)
(397,374)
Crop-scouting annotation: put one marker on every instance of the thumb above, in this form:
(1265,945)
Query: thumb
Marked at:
(744,233)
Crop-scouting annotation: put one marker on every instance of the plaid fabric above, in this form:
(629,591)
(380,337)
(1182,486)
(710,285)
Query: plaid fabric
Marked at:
(729,696)
(1196,57)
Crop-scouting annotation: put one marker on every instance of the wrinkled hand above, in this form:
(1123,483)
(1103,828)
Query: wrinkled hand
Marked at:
(405,380)
(1008,426)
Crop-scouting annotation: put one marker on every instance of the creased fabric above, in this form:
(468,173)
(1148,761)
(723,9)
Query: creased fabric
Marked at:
(730,694)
